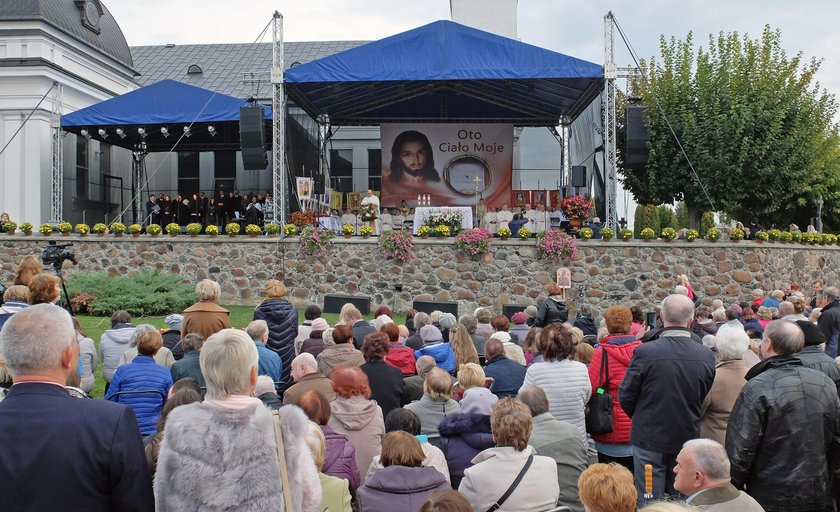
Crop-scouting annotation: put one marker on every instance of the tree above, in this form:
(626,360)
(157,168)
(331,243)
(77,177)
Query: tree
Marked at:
(754,123)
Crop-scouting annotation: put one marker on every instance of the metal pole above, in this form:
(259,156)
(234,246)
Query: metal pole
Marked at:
(608,107)
(57,174)
(278,114)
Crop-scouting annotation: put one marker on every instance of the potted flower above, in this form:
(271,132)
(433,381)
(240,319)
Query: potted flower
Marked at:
(9,227)
(397,244)
(424,231)
(607,234)
(669,234)
(648,234)
(99,228)
(252,230)
(556,245)
(586,233)
(348,230)
(82,229)
(288,229)
(523,233)
(736,234)
(828,239)
(194,229)
(153,229)
(805,239)
(118,228)
(795,236)
(443,230)
(65,228)
(576,208)
(692,235)
(303,219)
(272,229)
(316,241)
(212,230)
(232,229)
(626,234)
(713,235)
(135,230)
(26,228)
(504,233)
(366,231)
(761,236)
(173,229)
(474,242)
(774,235)
(786,237)
(45,229)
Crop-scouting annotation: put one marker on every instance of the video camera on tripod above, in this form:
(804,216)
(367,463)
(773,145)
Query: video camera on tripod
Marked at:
(56,254)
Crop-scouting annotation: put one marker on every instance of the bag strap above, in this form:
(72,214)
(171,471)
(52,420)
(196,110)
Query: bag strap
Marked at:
(604,373)
(281,456)
(513,486)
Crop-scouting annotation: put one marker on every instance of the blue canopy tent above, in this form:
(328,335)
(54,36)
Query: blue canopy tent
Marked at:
(169,104)
(445,72)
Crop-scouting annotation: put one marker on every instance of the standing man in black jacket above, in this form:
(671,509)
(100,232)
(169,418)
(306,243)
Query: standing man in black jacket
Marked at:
(784,428)
(662,392)
(829,322)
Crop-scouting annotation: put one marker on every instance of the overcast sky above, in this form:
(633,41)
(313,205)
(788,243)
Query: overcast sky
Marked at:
(573,28)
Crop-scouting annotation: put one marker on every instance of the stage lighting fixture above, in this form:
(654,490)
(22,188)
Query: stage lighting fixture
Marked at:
(103,133)
(164,131)
(85,133)
(120,132)
(212,130)
(187,131)
(141,132)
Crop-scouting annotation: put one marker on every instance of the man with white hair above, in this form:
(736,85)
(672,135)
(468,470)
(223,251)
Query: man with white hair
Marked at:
(783,426)
(307,377)
(666,378)
(702,474)
(47,433)
(265,391)
(269,363)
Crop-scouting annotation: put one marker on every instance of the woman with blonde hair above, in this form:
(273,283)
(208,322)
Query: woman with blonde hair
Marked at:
(607,488)
(682,280)
(335,492)
(282,319)
(28,268)
(765,316)
(462,344)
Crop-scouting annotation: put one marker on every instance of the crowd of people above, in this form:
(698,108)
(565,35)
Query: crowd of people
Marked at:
(204,210)
(706,407)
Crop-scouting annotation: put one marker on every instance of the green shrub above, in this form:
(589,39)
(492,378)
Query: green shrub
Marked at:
(707,222)
(680,218)
(638,220)
(147,293)
(646,217)
(666,217)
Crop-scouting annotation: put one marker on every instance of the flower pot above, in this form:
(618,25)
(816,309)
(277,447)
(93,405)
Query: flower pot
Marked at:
(504,237)
(253,235)
(626,239)
(65,234)
(348,236)
(575,223)
(47,234)
(173,235)
(424,236)
(193,235)
(101,234)
(135,235)
(118,234)
(83,235)
(213,235)
(606,239)
(27,233)
(271,235)
(365,236)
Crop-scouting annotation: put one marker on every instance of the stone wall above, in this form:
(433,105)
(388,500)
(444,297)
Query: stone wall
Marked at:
(606,273)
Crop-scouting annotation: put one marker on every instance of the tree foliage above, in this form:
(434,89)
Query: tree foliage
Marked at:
(754,123)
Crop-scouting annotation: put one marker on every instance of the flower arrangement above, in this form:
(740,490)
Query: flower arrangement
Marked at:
(82,229)
(252,230)
(736,234)
(576,207)
(302,219)
(451,218)
(194,228)
(173,228)
(367,212)
(348,230)
(806,238)
(442,230)
(607,234)
(504,233)
(153,229)
(45,229)
(232,228)
(786,237)
(713,235)
(474,242)
(795,236)
(523,233)
(774,235)
(648,234)
(762,236)
(273,229)
(64,227)
(424,230)
(118,228)
(669,234)
(212,230)
(25,227)
(99,228)
(397,244)
(10,227)
(556,246)
(691,235)
(626,234)
(366,231)
(135,229)
(828,239)
(316,241)
(586,233)
(288,229)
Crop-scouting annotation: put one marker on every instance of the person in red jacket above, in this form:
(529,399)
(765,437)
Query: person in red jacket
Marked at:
(617,349)
(399,356)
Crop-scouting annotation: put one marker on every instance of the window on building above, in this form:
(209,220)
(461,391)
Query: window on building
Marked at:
(188,183)
(82,167)
(224,174)
(375,169)
(341,169)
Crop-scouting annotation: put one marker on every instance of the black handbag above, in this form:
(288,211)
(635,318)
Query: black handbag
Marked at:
(599,411)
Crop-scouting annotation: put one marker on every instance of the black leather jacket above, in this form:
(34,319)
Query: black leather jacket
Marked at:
(551,311)
(782,433)
(815,358)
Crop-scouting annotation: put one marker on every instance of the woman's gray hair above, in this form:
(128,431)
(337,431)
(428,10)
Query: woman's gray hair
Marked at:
(33,339)
(192,342)
(421,320)
(327,337)
(264,385)
(719,315)
(139,331)
(731,341)
(208,290)
(469,322)
(226,360)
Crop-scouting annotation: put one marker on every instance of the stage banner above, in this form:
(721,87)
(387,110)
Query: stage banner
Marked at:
(454,164)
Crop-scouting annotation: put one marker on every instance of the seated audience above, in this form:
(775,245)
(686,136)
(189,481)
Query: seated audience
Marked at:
(87,358)
(163,357)
(152,446)
(15,298)
(703,475)
(507,374)
(417,322)
(269,361)
(189,365)
(471,324)
(206,317)
(470,375)
(446,501)
(399,356)
(28,268)
(407,421)
(585,320)
(512,349)
(342,353)
(414,385)
(531,348)
(386,383)
(436,402)
(465,434)
(483,316)
(44,289)
(172,336)
(315,343)
(311,312)
(519,329)
(434,346)
(607,488)
(266,391)
(335,491)
(307,377)
(113,343)
(462,346)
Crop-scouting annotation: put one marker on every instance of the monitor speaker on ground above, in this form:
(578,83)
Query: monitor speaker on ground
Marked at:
(427,306)
(252,137)
(636,151)
(510,309)
(333,302)
(578,175)
(318,186)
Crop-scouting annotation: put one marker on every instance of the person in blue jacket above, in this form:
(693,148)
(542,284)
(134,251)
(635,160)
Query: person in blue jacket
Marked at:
(434,346)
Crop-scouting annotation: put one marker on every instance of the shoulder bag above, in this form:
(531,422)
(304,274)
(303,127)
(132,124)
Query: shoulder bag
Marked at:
(284,470)
(599,411)
(496,506)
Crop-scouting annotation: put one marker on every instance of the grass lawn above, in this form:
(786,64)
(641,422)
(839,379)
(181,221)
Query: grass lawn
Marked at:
(240,317)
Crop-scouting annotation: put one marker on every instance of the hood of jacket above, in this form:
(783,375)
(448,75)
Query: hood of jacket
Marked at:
(121,335)
(206,306)
(473,429)
(405,480)
(620,348)
(338,446)
(13,306)
(354,413)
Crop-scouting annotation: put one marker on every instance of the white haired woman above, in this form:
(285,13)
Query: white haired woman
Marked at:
(243,472)
(731,341)
(206,317)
